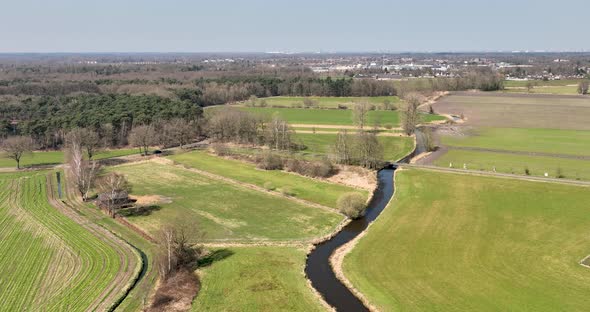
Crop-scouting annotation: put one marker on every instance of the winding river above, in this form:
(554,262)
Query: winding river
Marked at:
(318,268)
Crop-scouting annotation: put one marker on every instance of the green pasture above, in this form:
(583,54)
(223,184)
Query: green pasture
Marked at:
(323,193)
(220,210)
(40,158)
(328,102)
(455,242)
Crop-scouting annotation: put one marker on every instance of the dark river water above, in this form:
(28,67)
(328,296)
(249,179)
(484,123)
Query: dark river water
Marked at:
(318,268)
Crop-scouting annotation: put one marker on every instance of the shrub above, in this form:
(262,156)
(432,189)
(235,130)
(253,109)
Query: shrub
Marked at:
(269,186)
(293,165)
(221,149)
(318,169)
(287,191)
(352,205)
(388,126)
(527,171)
(269,161)
(559,174)
(341,106)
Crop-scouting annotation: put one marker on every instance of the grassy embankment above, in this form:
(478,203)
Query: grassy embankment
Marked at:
(46,259)
(451,242)
(220,209)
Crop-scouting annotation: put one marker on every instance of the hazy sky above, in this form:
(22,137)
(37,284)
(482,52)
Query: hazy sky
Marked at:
(301,25)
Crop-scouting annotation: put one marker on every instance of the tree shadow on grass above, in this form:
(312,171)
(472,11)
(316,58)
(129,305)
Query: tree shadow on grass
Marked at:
(215,256)
(140,211)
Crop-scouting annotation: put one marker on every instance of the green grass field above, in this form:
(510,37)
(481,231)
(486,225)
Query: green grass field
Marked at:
(394,148)
(452,242)
(563,90)
(540,83)
(329,102)
(333,116)
(511,163)
(46,259)
(221,210)
(57,157)
(570,142)
(256,279)
(309,189)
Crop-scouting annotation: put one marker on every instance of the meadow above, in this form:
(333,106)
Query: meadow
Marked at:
(454,242)
(41,158)
(312,190)
(563,90)
(554,141)
(394,148)
(255,279)
(46,259)
(516,164)
(334,116)
(218,209)
(328,102)
(541,83)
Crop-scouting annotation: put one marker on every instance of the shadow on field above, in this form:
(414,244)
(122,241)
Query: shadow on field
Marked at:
(215,256)
(139,211)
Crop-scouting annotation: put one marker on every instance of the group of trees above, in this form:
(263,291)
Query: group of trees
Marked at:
(234,125)
(583,87)
(48,119)
(362,149)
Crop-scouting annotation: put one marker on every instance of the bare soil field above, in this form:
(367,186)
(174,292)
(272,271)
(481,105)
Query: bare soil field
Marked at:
(518,110)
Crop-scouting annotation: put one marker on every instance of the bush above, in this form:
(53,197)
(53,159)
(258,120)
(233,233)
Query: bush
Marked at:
(318,169)
(269,186)
(220,149)
(287,191)
(352,205)
(269,161)
(527,171)
(388,126)
(293,165)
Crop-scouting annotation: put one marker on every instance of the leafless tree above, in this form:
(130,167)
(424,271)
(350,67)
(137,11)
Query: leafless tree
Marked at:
(83,171)
(179,247)
(142,137)
(343,148)
(410,116)
(279,134)
(17,146)
(583,87)
(369,151)
(359,114)
(530,86)
(112,185)
(89,140)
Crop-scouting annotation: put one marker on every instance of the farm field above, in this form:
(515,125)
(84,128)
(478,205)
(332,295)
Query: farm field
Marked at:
(563,90)
(394,148)
(328,102)
(305,188)
(229,212)
(553,141)
(516,164)
(256,279)
(47,259)
(57,157)
(334,116)
(541,83)
(454,242)
(525,110)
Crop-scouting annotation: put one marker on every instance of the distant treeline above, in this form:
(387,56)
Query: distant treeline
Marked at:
(46,119)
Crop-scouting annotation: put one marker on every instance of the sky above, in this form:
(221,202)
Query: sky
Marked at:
(293,26)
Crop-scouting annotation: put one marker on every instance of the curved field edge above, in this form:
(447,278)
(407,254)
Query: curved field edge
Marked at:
(458,242)
(62,264)
(137,294)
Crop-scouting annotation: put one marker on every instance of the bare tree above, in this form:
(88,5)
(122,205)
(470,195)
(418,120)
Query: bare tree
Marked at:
(17,146)
(410,116)
(342,149)
(530,85)
(142,137)
(84,171)
(179,247)
(428,139)
(583,87)
(359,114)
(89,140)
(279,134)
(369,151)
(113,185)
